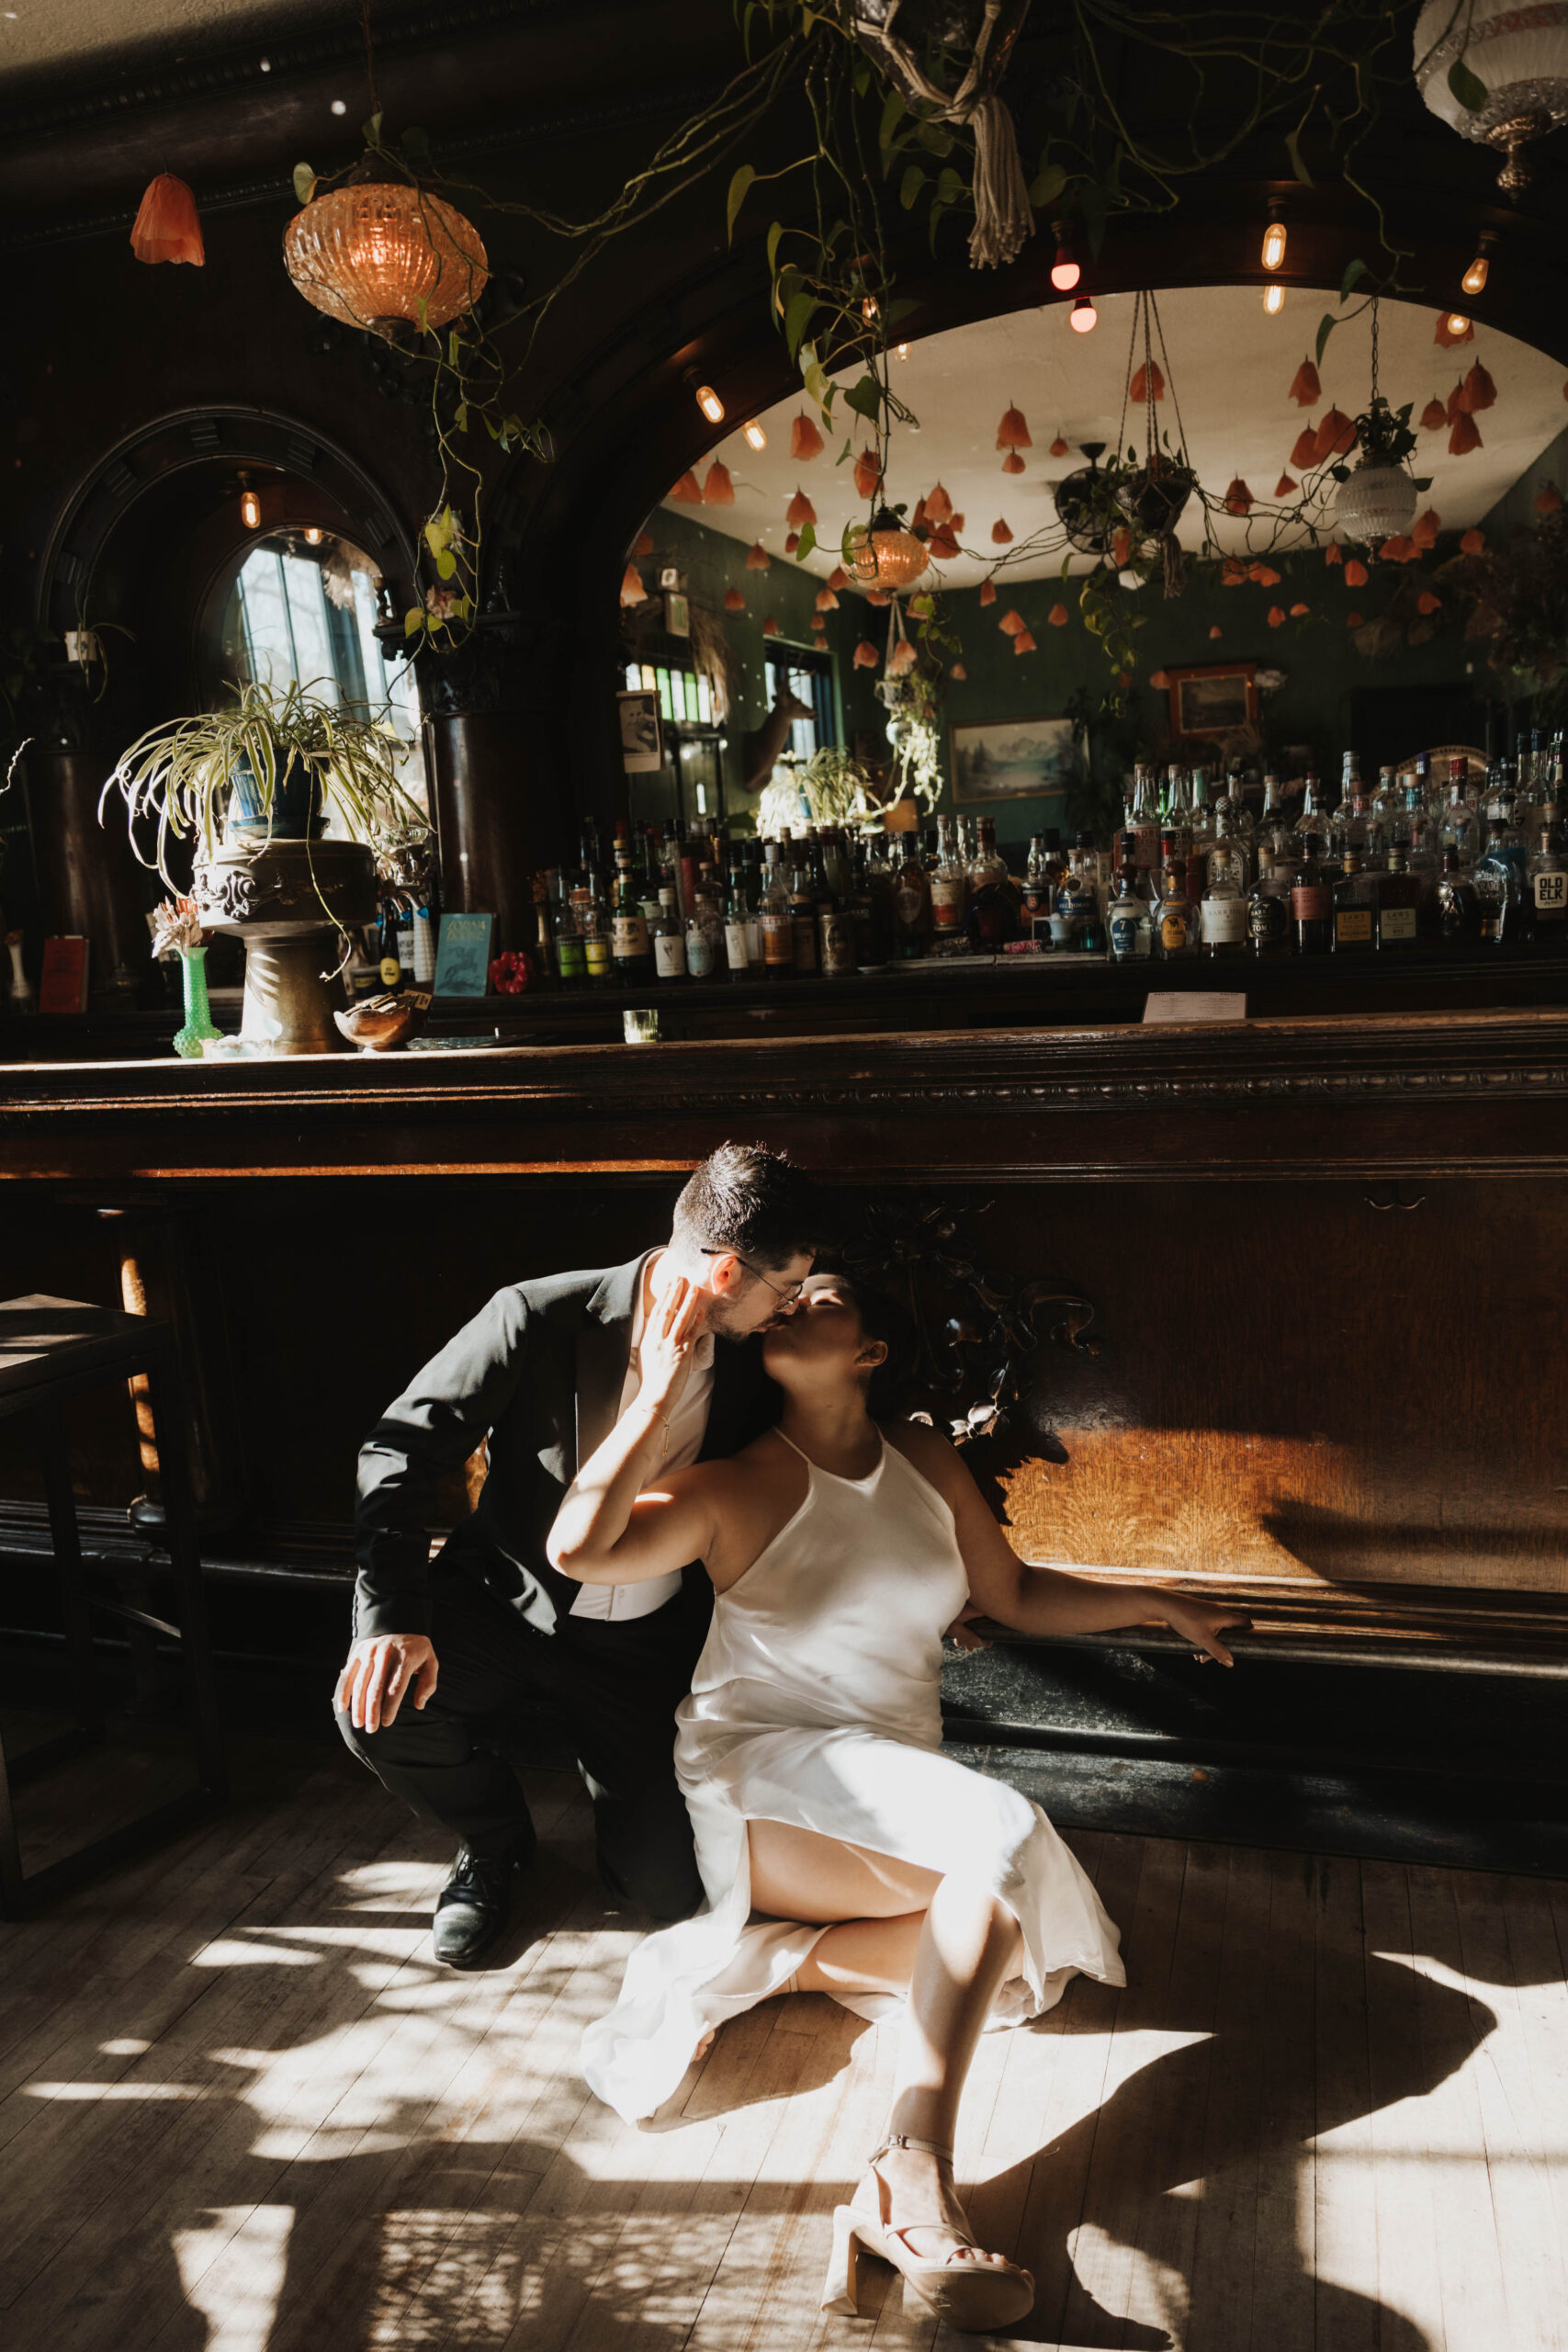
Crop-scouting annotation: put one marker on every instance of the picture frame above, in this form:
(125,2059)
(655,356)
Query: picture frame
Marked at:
(677,614)
(1213,698)
(642,730)
(1012,759)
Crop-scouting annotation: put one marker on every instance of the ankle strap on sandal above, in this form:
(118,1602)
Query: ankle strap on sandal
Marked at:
(902,2140)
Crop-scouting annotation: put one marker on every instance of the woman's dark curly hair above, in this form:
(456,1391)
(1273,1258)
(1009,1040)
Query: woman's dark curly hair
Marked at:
(882,1316)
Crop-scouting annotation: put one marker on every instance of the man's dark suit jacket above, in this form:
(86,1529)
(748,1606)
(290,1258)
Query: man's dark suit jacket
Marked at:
(540,1369)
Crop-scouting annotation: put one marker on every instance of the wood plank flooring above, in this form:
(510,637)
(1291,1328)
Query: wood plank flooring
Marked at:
(242,2111)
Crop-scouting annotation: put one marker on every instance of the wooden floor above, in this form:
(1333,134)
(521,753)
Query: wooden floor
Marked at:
(241,2109)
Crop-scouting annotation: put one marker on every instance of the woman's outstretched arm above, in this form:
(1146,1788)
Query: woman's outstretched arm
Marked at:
(1052,1601)
(620,1522)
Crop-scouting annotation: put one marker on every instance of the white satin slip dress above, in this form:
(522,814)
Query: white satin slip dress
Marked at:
(816,1701)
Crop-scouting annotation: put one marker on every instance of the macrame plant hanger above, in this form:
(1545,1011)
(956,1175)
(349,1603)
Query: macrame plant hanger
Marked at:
(1146,318)
(1003,215)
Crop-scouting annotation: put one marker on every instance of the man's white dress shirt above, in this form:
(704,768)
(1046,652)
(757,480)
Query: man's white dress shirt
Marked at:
(688,1427)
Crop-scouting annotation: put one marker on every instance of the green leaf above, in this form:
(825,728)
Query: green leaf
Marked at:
(1326,325)
(1423,481)
(911,183)
(461,417)
(414,620)
(808,541)
(936,213)
(1292,149)
(446,564)
(799,311)
(950,186)
(1353,270)
(737,197)
(371,131)
(865,398)
(901,309)
(1047,186)
(1468,88)
(304,183)
(774,233)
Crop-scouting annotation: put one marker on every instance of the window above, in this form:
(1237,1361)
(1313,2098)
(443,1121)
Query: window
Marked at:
(308,614)
(810,679)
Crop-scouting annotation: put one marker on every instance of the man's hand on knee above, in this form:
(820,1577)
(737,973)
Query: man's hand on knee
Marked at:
(380,1673)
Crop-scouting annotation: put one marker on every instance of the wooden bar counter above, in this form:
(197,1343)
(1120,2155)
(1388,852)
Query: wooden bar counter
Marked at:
(1321,1262)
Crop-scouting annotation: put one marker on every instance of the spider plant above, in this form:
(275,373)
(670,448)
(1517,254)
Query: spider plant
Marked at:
(184,773)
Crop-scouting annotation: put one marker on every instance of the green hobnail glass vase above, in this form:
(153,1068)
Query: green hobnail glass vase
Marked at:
(198,1024)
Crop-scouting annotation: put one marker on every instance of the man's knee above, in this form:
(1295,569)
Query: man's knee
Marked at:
(665,1885)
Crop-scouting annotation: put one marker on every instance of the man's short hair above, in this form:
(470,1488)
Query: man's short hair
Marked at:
(754,1202)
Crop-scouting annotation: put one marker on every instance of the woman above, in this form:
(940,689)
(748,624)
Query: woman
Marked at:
(809,1753)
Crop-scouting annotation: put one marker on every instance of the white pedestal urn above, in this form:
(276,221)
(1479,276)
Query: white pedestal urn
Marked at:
(289,901)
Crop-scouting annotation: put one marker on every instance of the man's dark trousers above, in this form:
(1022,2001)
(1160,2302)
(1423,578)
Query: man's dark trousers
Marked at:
(541,1370)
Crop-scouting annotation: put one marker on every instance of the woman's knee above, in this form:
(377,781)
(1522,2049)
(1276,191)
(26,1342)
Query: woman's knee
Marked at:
(800,1874)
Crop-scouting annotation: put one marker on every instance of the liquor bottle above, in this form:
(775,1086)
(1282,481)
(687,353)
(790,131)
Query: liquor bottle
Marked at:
(803,916)
(949,887)
(1457,825)
(700,958)
(1355,906)
(873,910)
(1497,886)
(593,921)
(737,925)
(542,946)
(1419,842)
(1238,856)
(1312,903)
(1129,927)
(751,863)
(1202,817)
(1178,919)
(1400,893)
(1142,819)
(1342,832)
(629,949)
(1268,911)
(1077,894)
(993,917)
(1387,807)
(1313,820)
(1547,901)
(571,955)
(1176,814)
(667,939)
(1455,916)
(836,947)
(389,958)
(1038,888)
(777,921)
(1272,844)
(912,906)
(1242,823)
(1222,916)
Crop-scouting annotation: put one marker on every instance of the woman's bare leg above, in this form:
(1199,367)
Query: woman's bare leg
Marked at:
(953,1951)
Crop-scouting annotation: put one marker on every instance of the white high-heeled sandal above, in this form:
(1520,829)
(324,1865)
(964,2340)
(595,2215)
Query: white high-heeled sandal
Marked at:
(975,2296)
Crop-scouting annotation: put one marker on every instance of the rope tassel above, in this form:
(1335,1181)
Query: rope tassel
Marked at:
(1003,214)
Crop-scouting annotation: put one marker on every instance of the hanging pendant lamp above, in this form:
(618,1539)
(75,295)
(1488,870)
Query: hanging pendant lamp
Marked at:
(381,255)
(884,554)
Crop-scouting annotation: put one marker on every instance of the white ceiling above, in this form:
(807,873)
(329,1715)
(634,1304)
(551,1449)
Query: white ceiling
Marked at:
(68,32)
(1230,366)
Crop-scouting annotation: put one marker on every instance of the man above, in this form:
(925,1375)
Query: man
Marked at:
(543,1371)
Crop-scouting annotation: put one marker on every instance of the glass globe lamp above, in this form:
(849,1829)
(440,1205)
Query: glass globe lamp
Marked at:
(383,255)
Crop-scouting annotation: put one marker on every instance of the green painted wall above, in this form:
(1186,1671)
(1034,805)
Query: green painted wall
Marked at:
(1515,509)
(1311,708)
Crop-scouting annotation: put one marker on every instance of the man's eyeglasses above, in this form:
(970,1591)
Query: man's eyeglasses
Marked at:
(787,1297)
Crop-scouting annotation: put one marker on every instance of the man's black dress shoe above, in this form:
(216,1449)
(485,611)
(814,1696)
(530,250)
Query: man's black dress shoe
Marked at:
(473,1909)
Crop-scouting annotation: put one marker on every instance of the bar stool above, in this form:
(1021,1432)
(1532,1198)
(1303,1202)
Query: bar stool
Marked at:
(52,1349)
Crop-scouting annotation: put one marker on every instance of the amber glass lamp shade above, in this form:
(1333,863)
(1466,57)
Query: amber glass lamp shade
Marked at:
(369,254)
(884,554)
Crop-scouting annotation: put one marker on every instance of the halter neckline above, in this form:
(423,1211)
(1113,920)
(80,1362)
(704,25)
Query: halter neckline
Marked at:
(817,1471)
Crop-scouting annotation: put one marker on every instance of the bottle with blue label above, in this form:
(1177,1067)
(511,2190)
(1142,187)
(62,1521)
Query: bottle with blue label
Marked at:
(1129,925)
(1077,899)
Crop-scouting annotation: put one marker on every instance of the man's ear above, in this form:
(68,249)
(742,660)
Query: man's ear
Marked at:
(726,1273)
(874,1352)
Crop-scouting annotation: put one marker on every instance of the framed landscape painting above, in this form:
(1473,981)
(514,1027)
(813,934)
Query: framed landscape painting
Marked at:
(1212,700)
(1013,759)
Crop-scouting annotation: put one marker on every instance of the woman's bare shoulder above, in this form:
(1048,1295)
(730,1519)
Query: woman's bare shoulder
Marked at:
(926,1447)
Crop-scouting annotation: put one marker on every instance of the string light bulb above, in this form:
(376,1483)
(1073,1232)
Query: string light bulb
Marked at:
(706,399)
(1083,317)
(1064,270)
(868,309)
(313,536)
(900,351)
(1273,252)
(1475,278)
(755,435)
(1458,325)
(250,505)
(1274,299)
